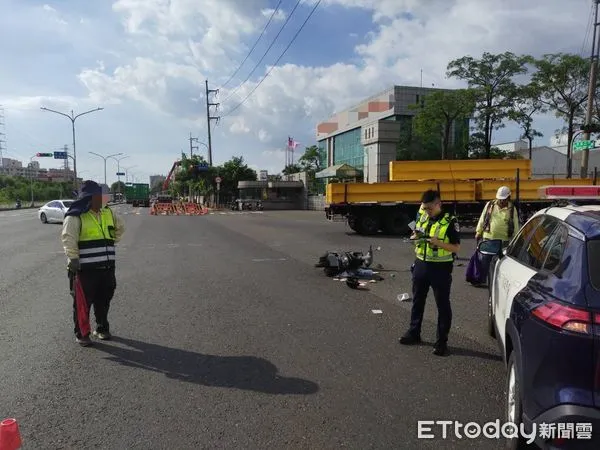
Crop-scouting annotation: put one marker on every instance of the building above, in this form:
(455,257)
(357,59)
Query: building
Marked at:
(512,147)
(549,162)
(14,168)
(366,136)
(156,180)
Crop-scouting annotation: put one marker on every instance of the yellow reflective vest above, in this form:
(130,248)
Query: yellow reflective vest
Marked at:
(439,229)
(97,240)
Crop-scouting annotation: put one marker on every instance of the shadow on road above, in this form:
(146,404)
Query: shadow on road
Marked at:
(239,372)
(459,351)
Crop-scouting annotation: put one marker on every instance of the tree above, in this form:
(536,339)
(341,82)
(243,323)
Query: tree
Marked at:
(291,168)
(438,113)
(310,161)
(562,80)
(114,188)
(12,188)
(492,78)
(526,104)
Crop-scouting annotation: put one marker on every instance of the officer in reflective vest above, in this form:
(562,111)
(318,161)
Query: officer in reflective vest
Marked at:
(437,240)
(90,232)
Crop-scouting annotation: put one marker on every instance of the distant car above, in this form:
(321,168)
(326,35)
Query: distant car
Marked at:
(544,310)
(54,211)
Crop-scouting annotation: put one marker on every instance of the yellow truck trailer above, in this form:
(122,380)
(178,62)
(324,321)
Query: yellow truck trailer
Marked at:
(465,186)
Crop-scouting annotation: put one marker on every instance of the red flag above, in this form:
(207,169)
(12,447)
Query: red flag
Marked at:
(83,311)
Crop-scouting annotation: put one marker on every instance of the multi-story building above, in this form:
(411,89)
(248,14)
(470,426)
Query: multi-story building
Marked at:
(14,168)
(366,136)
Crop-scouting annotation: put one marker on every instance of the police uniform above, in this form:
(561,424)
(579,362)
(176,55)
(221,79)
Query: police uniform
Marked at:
(90,238)
(433,269)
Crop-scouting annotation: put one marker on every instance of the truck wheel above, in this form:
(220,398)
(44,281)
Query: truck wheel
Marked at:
(396,224)
(368,225)
(352,223)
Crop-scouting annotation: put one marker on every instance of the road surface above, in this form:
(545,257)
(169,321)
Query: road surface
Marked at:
(226,336)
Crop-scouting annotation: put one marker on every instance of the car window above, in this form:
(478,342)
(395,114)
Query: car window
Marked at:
(515,247)
(555,248)
(535,251)
(68,203)
(53,205)
(593,251)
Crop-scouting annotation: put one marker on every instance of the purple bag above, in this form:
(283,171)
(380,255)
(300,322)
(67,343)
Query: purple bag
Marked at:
(475,271)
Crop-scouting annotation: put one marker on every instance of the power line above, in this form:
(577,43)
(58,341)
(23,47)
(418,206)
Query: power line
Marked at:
(276,62)
(588,29)
(255,44)
(265,54)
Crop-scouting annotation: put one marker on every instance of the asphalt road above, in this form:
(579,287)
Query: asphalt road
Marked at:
(228,337)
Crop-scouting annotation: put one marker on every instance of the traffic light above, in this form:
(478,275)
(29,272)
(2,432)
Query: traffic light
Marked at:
(590,128)
(44,155)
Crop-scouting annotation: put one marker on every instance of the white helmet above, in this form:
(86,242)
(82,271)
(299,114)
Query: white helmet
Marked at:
(503,193)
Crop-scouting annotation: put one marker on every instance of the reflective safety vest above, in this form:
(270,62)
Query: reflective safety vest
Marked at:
(421,220)
(439,229)
(97,240)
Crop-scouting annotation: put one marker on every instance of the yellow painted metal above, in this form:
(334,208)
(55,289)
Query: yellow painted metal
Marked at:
(463,169)
(409,191)
(528,189)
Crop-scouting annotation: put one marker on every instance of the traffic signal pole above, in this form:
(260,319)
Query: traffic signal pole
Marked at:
(585,157)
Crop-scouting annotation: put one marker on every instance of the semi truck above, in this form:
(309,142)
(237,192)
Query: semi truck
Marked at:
(465,187)
(138,194)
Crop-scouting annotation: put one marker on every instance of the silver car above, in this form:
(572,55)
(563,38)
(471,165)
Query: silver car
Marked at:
(54,211)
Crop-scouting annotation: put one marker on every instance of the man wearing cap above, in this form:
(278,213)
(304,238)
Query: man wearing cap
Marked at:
(90,232)
(499,219)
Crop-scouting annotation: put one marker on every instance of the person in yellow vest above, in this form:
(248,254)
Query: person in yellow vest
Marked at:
(90,232)
(435,248)
(499,219)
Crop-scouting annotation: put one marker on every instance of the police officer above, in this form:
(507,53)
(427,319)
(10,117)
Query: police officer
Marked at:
(89,234)
(437,240)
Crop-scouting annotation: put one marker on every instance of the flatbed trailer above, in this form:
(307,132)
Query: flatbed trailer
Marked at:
(390,207)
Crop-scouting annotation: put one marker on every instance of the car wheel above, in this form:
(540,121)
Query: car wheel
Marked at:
(43,218)
(514,411)
(490,323)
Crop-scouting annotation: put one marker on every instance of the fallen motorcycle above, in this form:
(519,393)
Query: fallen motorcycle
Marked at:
(351,267)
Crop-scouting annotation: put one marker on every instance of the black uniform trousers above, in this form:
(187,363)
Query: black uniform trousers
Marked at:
(99,287)
(438,277)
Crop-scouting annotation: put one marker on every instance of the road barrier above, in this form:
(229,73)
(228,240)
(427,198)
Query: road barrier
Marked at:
(178,209)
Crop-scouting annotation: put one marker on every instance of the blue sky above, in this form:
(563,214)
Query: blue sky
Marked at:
(145,62)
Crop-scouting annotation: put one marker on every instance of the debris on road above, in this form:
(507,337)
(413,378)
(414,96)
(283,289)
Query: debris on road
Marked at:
(377,311)
(350,267)
(404,297)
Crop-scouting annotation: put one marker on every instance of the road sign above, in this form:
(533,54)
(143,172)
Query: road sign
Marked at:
(583,145)
(120,174)
(60,155)
(202,167)
(218,180)
(44,155)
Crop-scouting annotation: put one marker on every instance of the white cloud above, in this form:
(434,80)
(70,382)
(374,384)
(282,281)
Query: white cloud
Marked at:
(279,15)
(170,47)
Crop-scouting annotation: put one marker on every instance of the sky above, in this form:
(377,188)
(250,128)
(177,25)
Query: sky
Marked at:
(146,61)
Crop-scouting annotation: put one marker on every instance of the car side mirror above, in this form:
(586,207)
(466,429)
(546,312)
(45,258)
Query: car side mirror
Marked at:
(491,247)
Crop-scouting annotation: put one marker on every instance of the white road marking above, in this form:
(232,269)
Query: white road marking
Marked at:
(377,311)
(268,259)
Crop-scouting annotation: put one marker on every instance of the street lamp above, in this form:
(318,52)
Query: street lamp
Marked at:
(118,160)
(105,158)
(72,118)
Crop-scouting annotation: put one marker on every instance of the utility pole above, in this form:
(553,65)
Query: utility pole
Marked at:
(192,146)
(2,136)
(591,92)
(210,118)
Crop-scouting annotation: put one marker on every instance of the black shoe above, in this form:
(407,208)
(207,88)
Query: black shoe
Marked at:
(440,349)
(102,335)
(410,339)
(83,341)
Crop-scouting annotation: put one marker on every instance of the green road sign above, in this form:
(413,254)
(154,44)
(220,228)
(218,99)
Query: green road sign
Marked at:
(582,145)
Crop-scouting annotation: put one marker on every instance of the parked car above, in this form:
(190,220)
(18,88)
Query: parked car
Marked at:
(544,311)
(54,211)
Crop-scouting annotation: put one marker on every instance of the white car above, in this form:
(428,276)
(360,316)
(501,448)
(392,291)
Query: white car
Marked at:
(54,211)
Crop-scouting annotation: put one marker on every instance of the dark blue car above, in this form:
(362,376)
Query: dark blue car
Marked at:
(544,310)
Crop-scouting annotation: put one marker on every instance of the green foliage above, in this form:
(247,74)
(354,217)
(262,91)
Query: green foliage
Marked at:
(188,179)
(492,78)
(310,161)
(526,104)
(292,168)
(114,188)
(562,81)
(12,188)
(433,122)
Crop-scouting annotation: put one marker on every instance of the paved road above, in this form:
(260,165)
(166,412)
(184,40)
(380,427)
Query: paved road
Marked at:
(228,337)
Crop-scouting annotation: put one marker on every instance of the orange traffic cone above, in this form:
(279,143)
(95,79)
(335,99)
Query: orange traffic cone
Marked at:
(10,437)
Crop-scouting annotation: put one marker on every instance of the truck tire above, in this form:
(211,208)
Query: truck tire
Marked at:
(396,223)
(352,223)
(368,224)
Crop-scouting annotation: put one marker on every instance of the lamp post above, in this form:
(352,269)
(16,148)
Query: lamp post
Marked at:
(105,158)
(73,118)
(118,160)
(127,169)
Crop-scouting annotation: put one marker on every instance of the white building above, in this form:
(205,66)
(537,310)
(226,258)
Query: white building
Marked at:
(512,146)
(548,162)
